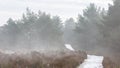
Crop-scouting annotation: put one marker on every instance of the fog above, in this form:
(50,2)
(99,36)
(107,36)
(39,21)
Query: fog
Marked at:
(96,30)
(15,8)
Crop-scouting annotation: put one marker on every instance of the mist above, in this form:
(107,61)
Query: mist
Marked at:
(95,31)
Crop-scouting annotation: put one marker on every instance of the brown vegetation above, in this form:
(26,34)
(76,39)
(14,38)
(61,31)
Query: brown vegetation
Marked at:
(107,63)
(42,60)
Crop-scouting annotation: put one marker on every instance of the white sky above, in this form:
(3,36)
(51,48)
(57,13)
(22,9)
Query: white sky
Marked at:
(63,8)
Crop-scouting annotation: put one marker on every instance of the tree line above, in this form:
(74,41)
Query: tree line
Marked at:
(95,29)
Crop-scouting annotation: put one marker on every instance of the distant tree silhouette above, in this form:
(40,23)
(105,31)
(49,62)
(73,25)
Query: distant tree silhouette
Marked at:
(69,31)
(33,30)
(88,28)
(111,29)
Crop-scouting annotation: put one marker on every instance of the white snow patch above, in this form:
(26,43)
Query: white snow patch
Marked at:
(68,46)
(92,61)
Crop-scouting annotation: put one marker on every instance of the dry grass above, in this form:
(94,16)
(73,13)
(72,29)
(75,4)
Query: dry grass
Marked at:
(107,63)
(53,59)
(35,59)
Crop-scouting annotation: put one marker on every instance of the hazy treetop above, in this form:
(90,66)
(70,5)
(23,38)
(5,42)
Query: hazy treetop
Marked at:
(65,8)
